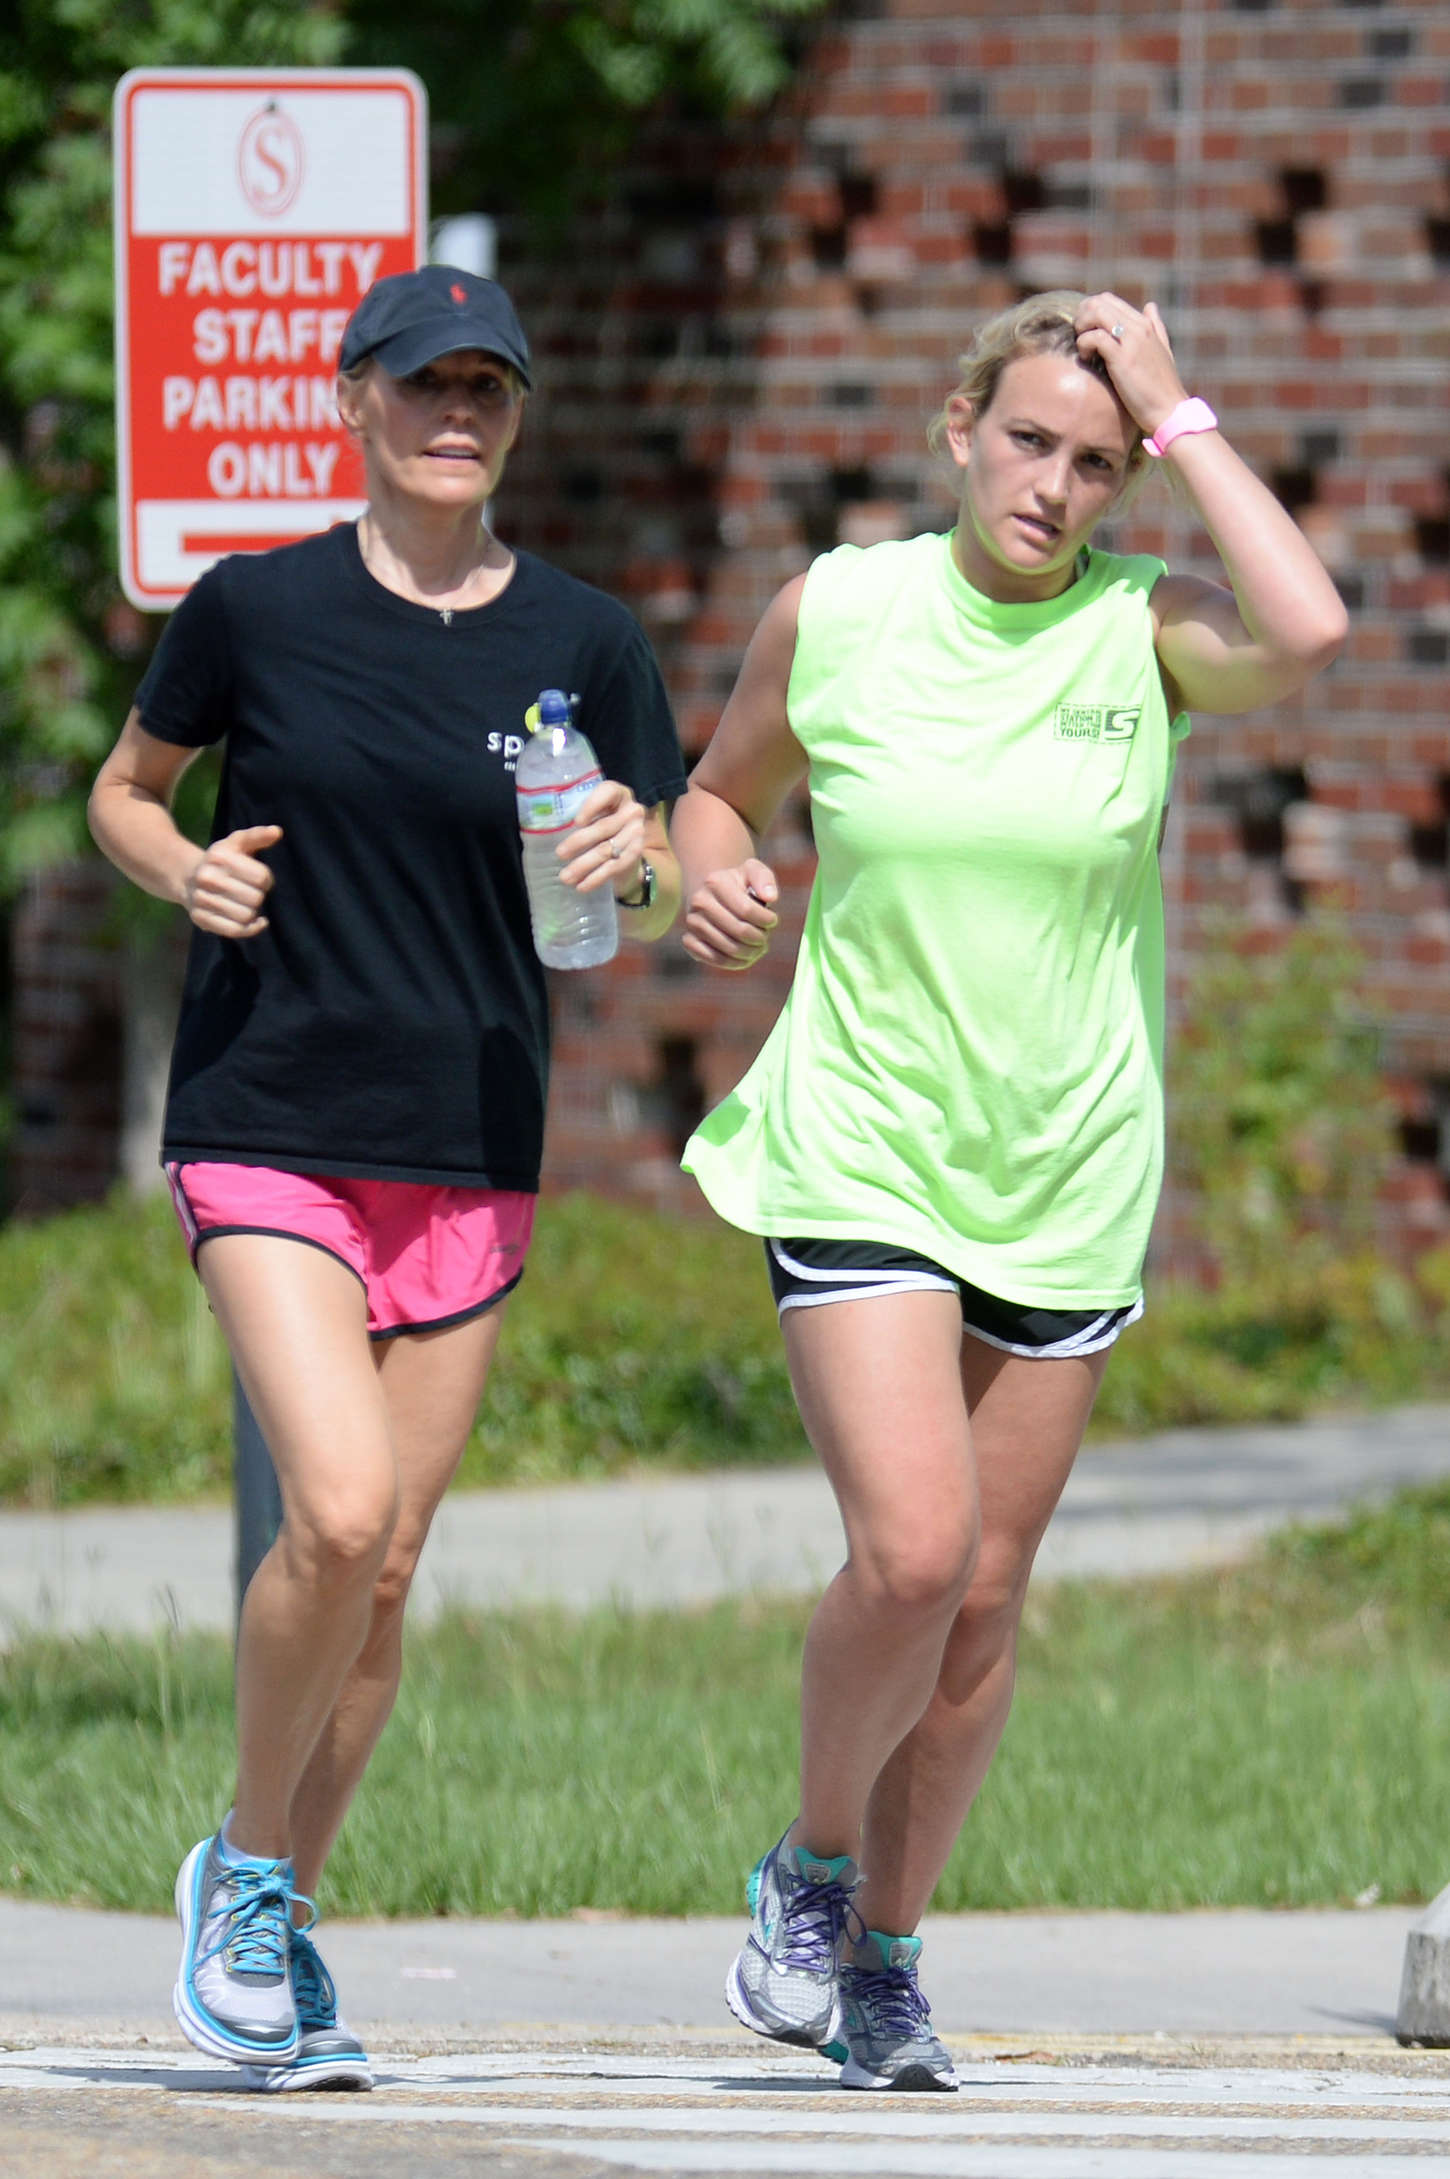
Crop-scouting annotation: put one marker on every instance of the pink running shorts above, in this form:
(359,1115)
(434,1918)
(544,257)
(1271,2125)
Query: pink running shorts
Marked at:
(426,1257)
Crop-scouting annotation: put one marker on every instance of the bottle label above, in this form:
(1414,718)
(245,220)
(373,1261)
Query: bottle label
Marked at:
(553,809)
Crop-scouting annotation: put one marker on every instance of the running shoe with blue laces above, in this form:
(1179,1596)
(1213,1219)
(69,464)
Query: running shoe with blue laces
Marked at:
(329,2055)
(887,2024)
(785,1982)
(233,1996)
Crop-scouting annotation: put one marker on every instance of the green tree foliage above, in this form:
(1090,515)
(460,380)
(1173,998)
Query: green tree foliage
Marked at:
(69,647)
(530,100)
(539,109)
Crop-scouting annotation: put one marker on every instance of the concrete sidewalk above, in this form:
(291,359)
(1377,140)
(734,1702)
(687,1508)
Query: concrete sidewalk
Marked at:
(1306,1973)
(1178,1499)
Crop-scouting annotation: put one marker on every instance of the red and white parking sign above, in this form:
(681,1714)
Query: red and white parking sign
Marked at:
(253,208)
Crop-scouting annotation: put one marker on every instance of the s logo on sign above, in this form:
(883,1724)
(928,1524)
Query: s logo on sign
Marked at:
(269,161)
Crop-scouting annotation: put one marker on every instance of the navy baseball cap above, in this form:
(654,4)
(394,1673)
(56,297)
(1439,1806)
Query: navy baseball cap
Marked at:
(411,318)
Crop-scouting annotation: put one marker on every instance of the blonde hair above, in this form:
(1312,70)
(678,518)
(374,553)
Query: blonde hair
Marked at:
(1038,325)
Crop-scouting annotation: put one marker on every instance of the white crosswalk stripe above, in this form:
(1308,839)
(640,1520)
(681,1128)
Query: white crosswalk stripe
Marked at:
(732,2112)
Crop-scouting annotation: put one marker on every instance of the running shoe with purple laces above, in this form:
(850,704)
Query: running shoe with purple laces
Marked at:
(785,1982)
(887,2022)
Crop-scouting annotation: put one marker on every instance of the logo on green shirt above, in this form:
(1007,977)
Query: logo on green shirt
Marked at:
(1095,722)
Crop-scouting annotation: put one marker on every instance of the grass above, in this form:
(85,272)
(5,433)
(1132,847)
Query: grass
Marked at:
(632,1340)
(635,1340)
(1273,1735)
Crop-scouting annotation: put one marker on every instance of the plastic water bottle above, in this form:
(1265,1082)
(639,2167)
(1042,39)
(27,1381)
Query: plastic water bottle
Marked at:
(556,770)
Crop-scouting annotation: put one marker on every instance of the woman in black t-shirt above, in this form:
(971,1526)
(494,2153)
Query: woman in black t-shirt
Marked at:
(361,1060)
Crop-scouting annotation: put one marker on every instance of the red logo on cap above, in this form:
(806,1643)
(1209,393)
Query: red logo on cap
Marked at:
(459,294)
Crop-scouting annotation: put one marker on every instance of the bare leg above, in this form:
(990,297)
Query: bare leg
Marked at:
(431,1384)
(296,1323)
(1027,1423)
(879,1389)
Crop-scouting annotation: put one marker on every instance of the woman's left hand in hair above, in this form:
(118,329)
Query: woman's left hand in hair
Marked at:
(1133,344)
(606,841)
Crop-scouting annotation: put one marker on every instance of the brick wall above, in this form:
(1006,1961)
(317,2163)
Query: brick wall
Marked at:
(739,354)
(739,357)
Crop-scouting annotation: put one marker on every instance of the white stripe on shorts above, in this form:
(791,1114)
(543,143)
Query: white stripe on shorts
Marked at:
(853,1285)
(1090,1340)
(864,1285)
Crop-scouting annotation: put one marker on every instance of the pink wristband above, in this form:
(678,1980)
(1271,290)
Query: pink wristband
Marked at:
(1189,416)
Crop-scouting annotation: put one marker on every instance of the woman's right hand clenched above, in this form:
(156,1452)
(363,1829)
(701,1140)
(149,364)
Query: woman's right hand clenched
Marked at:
(227,885)
(731,915)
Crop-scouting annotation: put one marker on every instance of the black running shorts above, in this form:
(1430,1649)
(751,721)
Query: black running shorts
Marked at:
(805,1274)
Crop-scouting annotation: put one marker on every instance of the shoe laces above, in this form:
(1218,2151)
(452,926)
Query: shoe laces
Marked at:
(256,1925)
(891,2000)
(312,1986)
(813,1918)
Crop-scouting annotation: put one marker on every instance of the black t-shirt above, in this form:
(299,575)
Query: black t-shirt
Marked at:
(392,1022)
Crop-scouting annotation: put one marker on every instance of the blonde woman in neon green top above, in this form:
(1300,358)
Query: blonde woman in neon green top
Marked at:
(952,1140)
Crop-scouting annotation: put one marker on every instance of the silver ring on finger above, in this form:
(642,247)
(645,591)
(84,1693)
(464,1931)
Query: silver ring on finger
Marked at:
(1116,332)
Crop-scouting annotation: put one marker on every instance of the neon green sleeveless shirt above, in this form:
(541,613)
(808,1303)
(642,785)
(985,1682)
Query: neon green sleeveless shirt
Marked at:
(969,1063)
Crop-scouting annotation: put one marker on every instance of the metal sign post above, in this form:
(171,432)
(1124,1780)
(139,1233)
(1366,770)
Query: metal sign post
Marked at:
(257,1499)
